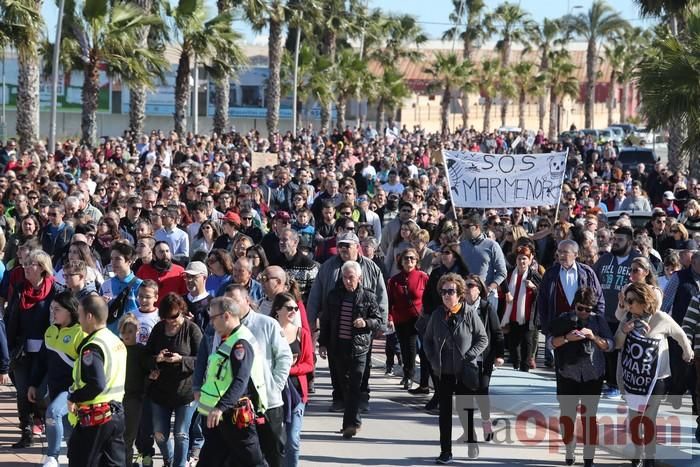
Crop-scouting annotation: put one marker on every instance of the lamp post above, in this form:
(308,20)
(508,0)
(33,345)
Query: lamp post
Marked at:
(296,78)
(195,99)
(54,80)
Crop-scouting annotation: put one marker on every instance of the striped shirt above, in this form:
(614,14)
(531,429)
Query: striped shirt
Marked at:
(345,325)
(691,323)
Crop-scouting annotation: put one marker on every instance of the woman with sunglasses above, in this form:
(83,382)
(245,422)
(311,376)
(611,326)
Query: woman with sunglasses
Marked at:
(450,261)
(405,291)
(204,240)
(285,310)
(644,318)
(642,272)
(256,254)
(454,336)
(173,346)
(580,338)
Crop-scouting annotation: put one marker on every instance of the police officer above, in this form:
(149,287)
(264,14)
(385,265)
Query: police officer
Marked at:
(233,395)
(97,390)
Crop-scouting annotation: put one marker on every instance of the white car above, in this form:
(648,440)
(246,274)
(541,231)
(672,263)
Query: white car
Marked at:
(618,134)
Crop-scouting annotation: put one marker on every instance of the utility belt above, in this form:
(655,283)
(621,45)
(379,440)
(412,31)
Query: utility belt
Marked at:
(243,414)
(95,414)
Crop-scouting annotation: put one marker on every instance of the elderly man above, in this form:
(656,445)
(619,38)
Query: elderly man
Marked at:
(197,298)
(559,285)
(88,209)
(274,281)
(176,238)
(297,265)
(347,324)
(243,275)
(326,280)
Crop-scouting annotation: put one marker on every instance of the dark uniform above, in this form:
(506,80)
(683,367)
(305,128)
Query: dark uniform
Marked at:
(233,366)
(97,390)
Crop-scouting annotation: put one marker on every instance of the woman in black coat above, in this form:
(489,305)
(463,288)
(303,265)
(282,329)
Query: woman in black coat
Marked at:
(450,261)
(491,357)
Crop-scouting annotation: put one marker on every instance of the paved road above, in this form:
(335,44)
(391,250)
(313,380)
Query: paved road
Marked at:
(397,431)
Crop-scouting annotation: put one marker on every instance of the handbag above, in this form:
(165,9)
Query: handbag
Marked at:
(116,306)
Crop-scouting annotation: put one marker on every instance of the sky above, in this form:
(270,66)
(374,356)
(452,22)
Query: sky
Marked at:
(432,15)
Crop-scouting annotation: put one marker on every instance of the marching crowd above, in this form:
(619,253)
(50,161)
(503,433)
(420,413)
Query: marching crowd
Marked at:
(168,290)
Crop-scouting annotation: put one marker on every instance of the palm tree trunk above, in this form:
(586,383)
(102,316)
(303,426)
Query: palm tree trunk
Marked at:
(611,98)
(28,96)
(272,92)
(222,91)
(623,102)
(445,111)
(521,109)
(678,160)
(182,92)
(91,89)
(488,103)
(504,63)
(465,109)
(381,117)
(542,101)
(330,39)
(341,107)
(137,92)
(552,134)
(590,83)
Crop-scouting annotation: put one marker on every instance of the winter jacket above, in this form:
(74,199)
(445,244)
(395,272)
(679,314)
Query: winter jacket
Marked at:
(492,327)
(452,338)
(365,307)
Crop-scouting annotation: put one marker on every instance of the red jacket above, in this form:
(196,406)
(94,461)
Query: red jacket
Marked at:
(406,295)
(304,364)
(172,280)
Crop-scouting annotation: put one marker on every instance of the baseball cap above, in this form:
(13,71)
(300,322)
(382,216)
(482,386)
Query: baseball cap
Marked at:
(282,215)
(196,268)
(347,237)
(669,195)
(231,216)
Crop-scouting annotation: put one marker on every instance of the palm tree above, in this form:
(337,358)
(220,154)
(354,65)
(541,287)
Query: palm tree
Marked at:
(599,23)
(669,86)
(348,78)
(107,34)
(21,26)
(527,82)
(477,29)
(313,83)
(137,92)
(209,41)
(634,41)
(515,23)
(388,91)
(562,81)
(614,53)
(449,74)
(542,39)
(489,81)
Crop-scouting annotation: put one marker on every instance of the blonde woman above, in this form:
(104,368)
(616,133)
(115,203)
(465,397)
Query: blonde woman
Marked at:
(690,217)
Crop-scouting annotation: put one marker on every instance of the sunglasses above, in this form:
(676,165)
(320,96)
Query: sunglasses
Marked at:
(409,258)
(584,308)
(448,292)
(291,308)
(630,301)
(471,285)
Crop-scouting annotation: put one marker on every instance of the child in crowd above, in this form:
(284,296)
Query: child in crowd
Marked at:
(303,226)
(137,369)
(147,314)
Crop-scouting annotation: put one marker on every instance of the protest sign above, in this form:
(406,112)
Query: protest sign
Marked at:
(263,159)
(480,180)
(639,363)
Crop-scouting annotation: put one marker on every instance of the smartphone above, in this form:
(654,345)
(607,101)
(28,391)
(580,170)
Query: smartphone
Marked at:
(168,354)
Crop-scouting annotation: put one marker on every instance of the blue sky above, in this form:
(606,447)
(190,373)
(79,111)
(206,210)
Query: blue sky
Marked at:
(433,15)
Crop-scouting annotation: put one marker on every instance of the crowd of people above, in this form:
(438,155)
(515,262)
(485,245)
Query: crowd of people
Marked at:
(167,290)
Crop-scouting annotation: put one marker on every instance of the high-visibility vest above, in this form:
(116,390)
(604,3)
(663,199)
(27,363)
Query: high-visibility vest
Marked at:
(219,376)
(64,342)
(114,353)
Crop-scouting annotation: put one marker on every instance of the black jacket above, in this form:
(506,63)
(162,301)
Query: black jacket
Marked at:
(365,307)
(492,325)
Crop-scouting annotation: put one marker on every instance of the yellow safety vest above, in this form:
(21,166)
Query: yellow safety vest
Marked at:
(219,376)
(114,353)
(65,342)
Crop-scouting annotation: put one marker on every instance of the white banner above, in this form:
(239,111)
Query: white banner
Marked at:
(504,180)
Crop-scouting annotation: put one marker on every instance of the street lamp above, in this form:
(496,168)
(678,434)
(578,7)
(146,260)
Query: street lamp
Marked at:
(54,80)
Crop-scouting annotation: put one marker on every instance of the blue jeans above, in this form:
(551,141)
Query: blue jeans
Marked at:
(57,425)
(173,452)
(291,457)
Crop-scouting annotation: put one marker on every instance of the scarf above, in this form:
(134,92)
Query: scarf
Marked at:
(519,300)
(29,296)
(479,239)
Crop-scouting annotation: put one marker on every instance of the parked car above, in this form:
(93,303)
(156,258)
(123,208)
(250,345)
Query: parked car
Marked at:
(638,218)
(618,135)
(604,136)
(591,132)
(628,128)
(630,156)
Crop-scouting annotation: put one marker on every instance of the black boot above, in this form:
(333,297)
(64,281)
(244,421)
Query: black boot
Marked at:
(26,440)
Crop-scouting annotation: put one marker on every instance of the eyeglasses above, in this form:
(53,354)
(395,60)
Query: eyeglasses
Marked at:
(410,258)
(630,300)
(471,285)
(349,227)
(343,245)
(446,252)
(675,231)
(448,292)
(346,213)
(266,278)
(291,308)
(584,308)
(213,317)
(53,214)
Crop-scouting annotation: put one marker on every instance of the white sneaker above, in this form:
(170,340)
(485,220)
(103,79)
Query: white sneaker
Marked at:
(50,462)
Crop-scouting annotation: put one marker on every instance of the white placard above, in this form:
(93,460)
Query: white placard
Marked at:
(480,180)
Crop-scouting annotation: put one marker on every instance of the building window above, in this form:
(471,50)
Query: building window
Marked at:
(251,96)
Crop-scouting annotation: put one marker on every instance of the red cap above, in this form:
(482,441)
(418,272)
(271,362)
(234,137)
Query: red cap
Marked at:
(232,217)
